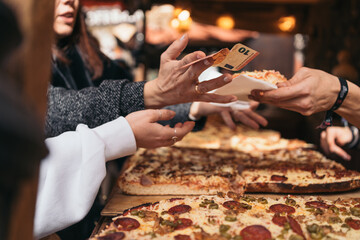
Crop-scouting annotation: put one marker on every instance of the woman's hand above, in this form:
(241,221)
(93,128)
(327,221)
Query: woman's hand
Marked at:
(178,84)
(307,92)
(247,116)
(333,138)
(150,134)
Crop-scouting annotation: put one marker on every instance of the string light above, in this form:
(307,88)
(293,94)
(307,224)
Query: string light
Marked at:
(225,22)
(182,20)
(287,24)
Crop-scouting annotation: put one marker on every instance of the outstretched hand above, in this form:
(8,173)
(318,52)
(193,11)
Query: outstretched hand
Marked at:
(177,84)
(307,92)
(150,134)
(333,138)
(230,116)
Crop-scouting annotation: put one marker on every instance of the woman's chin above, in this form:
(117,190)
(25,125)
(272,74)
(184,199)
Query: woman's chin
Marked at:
(63,31)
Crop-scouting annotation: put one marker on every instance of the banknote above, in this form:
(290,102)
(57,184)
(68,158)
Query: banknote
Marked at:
(235,59)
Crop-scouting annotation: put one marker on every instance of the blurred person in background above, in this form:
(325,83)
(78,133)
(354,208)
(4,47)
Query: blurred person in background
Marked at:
(338,139)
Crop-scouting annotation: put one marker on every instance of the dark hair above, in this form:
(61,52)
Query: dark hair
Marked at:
(89,49)
(11,35)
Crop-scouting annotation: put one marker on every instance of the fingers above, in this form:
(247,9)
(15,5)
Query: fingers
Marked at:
(256,117)
(215,83)
(323,142)
(328,143)
(197,68)
(191,57)
(160,115)
(242,117)
(216,98)
(176,134)
(226,116)
(175,49)
(184,129)
(254,105)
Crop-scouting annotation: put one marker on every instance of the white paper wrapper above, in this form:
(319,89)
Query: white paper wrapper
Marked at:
(242,85)
(237,105)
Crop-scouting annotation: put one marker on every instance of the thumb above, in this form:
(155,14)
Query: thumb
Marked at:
(161,115)
(175,49)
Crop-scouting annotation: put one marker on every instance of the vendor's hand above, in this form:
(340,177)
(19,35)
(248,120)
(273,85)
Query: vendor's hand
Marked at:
(230,116)
(307,92)
(176,85)
(333,138)
(150,134)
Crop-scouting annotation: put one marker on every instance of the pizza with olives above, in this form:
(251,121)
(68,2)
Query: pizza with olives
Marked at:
(236,217)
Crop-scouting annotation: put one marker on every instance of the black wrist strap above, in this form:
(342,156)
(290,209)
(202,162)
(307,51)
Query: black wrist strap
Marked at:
(340,99)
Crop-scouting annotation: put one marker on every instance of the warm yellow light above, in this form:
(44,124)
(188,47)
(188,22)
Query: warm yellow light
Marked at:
(225,22)
(177,11)
(287,24)
(175,23)
(184,15)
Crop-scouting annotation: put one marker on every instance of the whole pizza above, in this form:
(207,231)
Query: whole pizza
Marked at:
(185,171)
(236,217)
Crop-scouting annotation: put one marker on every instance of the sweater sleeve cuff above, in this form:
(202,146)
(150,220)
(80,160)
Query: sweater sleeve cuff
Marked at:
(118,137)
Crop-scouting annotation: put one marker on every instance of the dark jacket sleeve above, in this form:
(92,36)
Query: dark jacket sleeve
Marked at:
(182,115)
(92,106)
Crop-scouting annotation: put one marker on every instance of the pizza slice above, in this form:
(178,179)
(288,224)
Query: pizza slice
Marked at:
(170,171)
(270,76)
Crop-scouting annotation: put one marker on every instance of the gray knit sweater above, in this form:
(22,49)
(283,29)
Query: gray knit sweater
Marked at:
(74,98)
(94,106)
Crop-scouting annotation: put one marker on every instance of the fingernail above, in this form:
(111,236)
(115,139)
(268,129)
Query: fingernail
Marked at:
(206,62)
(198,56)
(183,37)
(227,79)
(234,98)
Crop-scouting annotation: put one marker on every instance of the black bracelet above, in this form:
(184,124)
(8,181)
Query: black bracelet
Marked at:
(340,99)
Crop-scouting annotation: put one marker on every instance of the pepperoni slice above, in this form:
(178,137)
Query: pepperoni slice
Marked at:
(231,205)
(279,220)
(179,209)
(353,223)
(295,226)
(255,232)
(126,224)
(317,204)
(278,178)
(183,223)
(175,199)
(282,208)
(113,236)
(182,237)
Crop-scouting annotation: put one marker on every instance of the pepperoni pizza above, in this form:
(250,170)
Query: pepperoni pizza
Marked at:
(174,171)
(231,216)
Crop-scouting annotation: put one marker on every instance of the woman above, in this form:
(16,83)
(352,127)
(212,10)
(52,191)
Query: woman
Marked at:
(85,86)
(71,175)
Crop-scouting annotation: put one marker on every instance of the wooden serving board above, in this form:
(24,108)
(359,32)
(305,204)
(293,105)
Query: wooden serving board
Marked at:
(119,202)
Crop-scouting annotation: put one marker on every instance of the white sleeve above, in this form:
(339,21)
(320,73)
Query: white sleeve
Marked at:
(70,176)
